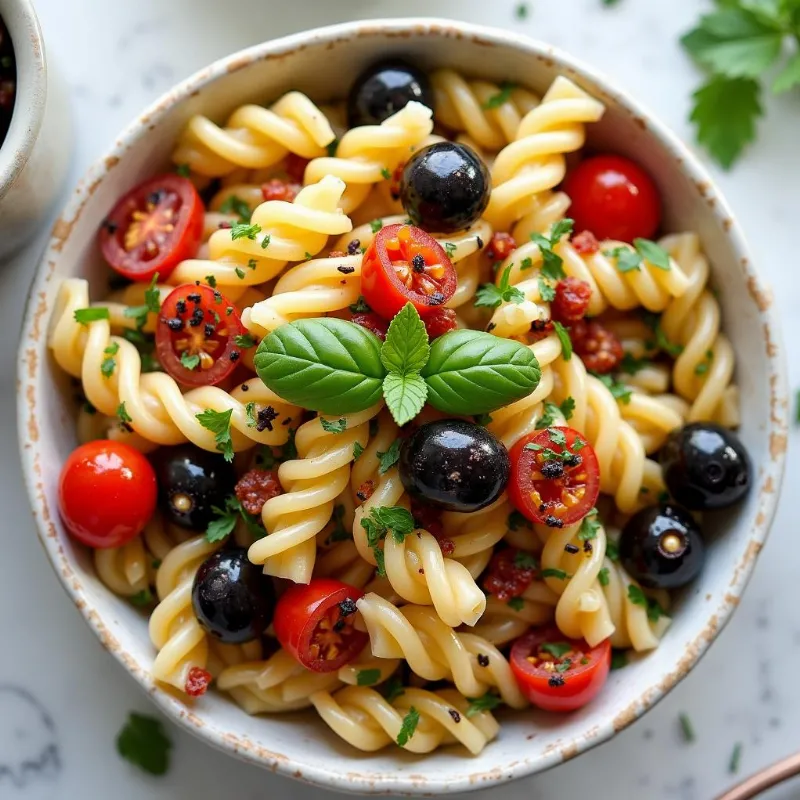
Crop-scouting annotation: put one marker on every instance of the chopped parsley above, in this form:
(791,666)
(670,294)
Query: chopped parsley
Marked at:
(554,573)
(388,459)
(142,741)
(108,363)
(556,649)
(243,230)
(335,426)
(563,337)
(235,205)
(502,97)
(491,295)
(525,560)
(653,321)
(589,527)
(612,550)
(151,305)
(360,306)
(736,757)
(379,523)
(123,415)
(516,603)
(630,259)
(521,12)
(553,411)
(619,391)
(227,518)
(603,577)
(141,599)
(518,520)
(358,449)
(376,225)
(687,729)
(245,341)
(639,598)
(219,423)
(703,367)
(385,174)
(184,170)
(190,361)
(487,702)
(368,677)
(552,263)
(631,365)
(87,315)
(393,689)
(410,722)
(619,659)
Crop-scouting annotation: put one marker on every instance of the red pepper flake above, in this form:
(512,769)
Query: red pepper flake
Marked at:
(255,487)
(500,246)
(571,301)
(337,254)
(197,682)
(276,189)
(366,490)
(585,243)
(597,346)
(511,572)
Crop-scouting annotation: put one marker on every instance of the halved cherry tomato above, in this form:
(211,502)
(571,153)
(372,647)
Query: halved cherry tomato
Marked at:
(106,493)
(314,623)
(555,477)
(153,228)
(614,198)
(559,674)
(404,264)
(196,335)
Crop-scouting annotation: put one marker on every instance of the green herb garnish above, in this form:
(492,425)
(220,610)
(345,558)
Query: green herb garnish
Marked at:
(619,391)
(388,459)
(491,295)
(643,250)
(142,741)
(219,423)
(227,518)
(687,730)
(235,205)
(502,97)
(333,426)
(243,230)
(410,722)
(87,315)
(487,702)
(368,677)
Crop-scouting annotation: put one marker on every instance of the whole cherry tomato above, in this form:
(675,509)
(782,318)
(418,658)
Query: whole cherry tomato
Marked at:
(559,674)
(314,623)
(106,493)
(614,198)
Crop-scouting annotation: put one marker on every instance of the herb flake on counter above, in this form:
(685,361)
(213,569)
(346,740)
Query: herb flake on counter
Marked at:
(687,730)
(143,742)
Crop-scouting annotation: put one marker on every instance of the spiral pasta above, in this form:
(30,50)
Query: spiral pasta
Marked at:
(534,161)
(369,154)
(254,137)
(364,719)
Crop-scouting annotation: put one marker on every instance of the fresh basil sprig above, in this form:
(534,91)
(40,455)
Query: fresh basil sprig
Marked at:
(337,367)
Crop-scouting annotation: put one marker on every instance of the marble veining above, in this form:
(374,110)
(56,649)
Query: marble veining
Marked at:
(72,698)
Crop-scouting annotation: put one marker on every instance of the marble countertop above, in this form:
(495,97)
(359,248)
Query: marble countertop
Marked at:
(118,56)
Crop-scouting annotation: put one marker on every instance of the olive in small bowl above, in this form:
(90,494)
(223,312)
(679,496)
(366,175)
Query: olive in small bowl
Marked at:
(455,465)
(191,482)
(662,547)
(232,598)
(706,466)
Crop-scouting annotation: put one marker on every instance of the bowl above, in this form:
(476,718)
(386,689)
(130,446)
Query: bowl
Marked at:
(299,745)
(35,154)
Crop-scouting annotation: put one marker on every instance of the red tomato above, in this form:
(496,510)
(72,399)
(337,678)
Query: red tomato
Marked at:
(314,623)
(196,335)
(404,264)
(439,322)
(510,573)
(106,493)
(614,198)
(153,228)
(555,477)
(559,674)
(372,322)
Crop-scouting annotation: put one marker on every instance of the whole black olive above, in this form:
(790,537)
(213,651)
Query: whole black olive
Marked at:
(445,187)
(191,482)
(705,466)
(383,89)
(232,598)
(662,547)
(454,464)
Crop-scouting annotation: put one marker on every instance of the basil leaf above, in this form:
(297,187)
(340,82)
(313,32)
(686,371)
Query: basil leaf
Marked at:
(405,395)
(324,364)
(470,372)
(406,347)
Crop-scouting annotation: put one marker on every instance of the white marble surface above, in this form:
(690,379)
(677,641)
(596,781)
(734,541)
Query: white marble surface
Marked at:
(117,56)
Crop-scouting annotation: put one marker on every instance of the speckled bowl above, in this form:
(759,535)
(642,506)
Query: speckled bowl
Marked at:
(323,62)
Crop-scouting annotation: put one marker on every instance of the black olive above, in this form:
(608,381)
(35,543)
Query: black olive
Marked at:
(383,89)
(190,482)
(232,598)
(455,465)
(662,547)
(705,466)
(445,187)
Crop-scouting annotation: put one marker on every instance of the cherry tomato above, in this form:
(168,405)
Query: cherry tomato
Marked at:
(154,227)
(372,322)
(439,322)
(196,335)
(106,493)
(510,573)
(559,674)
(404,264)
(314,623)
(555,477)
(614,198)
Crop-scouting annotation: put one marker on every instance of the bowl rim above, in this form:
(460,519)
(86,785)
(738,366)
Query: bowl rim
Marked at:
(354,776)
(27,115)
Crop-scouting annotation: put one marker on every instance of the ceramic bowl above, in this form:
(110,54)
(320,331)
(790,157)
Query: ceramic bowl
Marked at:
(323,63)
(35,154)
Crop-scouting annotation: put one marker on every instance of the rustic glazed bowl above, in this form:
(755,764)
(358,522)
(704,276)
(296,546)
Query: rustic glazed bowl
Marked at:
(323,63)
(35,154)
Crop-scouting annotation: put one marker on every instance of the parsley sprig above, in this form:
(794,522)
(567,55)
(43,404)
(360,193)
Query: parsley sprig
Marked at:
(492,295)
(738,44)
(227,518)
(219,423)
(143,742)
(381,521)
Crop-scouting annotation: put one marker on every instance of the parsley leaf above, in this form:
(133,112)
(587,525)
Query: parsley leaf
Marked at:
(525,560)
(142,741)
(219,423)
(703,366)
(612,551)
(619,659)
(516,603)
(554,573)
(522,11)
(631,365)
(410,722)
(335,426)
(226,520)
(368,677)
(235,205)
(603,577)
(388,459)
(653,321)
(382,520)
(152,304)
(552,263)
(245,341)
(358,449)
(546,289)
(502,97)
(123,415)
(556,649)
(589,527)
(242,230)
(184,170)
(643,250)
(563,337)
(487,702)
(687,729)
(108,363)
(360,306)
(376,225)
(87,315)
(491,295)
(736,757)
(141,599)
(619,391)
(190,361)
